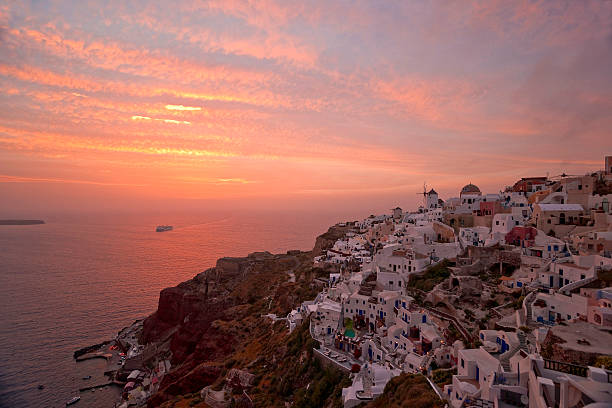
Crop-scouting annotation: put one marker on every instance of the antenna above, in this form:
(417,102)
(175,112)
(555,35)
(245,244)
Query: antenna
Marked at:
(424,195)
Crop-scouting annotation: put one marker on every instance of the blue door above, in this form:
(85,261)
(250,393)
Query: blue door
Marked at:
(370,352)
(424,318)
(551,282)
(504,346)
(329,330)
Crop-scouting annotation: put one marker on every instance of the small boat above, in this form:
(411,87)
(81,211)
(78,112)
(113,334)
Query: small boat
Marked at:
(73,400)
(87,377)
(162,228)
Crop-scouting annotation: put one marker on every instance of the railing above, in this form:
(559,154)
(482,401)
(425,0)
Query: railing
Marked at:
(578,284)
(567,368)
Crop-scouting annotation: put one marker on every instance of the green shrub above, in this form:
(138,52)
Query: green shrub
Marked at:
(431,277)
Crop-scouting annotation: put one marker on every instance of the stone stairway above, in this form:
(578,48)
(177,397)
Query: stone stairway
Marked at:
(529,299)
(523,341)
(504,359)
(505,364)
(367,385)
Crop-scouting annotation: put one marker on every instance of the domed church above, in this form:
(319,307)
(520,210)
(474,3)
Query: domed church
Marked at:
(470,189)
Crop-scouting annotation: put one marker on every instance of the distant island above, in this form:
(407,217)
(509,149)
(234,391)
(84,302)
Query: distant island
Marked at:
(21,222)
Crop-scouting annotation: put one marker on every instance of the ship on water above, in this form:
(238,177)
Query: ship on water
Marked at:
(162,228)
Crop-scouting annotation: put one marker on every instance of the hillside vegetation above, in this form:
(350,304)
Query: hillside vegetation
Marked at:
(407,391)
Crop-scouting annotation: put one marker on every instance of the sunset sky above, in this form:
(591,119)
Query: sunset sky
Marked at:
(113,104)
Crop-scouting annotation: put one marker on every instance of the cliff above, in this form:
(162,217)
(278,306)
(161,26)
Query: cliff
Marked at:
(214,322)
(407,391)
(326,241)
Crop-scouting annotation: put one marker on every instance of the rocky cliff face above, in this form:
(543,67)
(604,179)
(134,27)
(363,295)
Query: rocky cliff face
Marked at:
(202,321)
(326,241)
(208,323)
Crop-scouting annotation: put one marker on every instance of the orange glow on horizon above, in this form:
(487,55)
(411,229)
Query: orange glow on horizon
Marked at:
(279,103)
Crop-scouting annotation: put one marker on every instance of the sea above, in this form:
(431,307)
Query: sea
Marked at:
(78,279)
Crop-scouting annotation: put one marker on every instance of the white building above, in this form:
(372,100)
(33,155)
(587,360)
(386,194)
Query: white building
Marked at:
(474,236)
(551,307)
(326,317)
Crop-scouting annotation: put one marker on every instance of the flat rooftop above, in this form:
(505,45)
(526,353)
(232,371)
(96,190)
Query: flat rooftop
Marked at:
(599,340)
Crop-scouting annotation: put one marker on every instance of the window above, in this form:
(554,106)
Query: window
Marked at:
(582,276)
(462,365)
(561,272)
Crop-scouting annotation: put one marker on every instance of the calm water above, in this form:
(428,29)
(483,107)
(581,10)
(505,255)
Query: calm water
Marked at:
(76,281)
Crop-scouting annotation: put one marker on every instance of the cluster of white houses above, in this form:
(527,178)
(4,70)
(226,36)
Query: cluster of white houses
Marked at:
(558,234)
